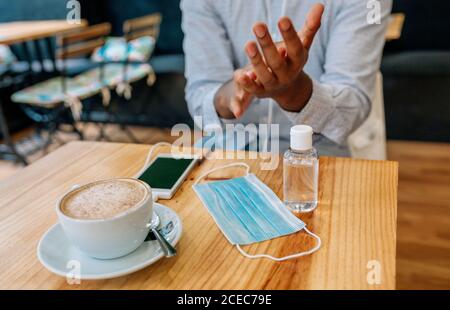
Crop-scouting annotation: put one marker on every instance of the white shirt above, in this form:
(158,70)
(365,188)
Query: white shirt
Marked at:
(343,60)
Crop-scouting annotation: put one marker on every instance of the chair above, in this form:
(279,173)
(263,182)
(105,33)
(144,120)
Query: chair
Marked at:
(7,58)
(6,55)
(369,140)
(127,60)
(46,102)
(142,27)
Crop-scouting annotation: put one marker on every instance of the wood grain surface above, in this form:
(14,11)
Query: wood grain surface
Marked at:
(395,26)
(356,220)
(423,243)
(17,32)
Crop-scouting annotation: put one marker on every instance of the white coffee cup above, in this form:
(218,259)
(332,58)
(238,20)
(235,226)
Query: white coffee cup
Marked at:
(112,237)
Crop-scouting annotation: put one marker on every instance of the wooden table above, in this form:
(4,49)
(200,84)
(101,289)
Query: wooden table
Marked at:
(395,26)
(18,32)
(356,219)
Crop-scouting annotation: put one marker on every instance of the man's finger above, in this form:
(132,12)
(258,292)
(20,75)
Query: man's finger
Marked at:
(237,104)
(242,98)
(265,76)
(236,109)
(273,59)
(248,83)
(240,103)
(294,46)
(312,25)
(283,52)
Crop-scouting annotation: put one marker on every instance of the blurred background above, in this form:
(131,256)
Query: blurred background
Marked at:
(415,89)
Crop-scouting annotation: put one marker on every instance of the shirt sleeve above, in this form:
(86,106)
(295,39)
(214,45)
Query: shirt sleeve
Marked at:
(209,57)
(341,98)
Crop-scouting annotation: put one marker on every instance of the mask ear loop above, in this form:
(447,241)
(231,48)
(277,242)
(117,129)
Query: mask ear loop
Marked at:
(282,259)
(220,168)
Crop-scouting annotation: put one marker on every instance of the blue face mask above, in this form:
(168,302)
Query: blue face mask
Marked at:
(247,212)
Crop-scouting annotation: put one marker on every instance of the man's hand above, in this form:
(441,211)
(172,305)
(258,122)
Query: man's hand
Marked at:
(278,72)
(232,100)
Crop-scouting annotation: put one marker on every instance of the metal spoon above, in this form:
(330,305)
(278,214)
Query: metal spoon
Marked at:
(167,248)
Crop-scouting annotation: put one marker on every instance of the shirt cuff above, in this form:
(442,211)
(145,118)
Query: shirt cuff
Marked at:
(210,116)
(318,112)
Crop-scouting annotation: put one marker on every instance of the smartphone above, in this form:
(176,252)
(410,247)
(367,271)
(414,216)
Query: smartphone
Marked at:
(165,174)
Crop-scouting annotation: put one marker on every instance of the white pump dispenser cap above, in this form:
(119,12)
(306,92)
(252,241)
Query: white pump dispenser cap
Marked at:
(301,138)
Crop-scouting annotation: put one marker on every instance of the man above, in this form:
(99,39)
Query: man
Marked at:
(322,76)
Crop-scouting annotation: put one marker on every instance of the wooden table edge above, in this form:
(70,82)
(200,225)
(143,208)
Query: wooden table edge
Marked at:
(13,41)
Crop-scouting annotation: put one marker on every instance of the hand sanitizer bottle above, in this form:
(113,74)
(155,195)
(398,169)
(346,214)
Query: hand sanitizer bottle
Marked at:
(301,172)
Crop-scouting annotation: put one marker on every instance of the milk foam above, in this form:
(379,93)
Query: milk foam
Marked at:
(103,200)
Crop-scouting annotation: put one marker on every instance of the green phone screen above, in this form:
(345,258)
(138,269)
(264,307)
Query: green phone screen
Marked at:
(164,172)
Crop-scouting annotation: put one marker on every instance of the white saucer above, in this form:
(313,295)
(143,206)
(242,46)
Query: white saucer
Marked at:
(58,255)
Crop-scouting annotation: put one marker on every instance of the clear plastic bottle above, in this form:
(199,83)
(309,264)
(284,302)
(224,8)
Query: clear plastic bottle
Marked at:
(301,172)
